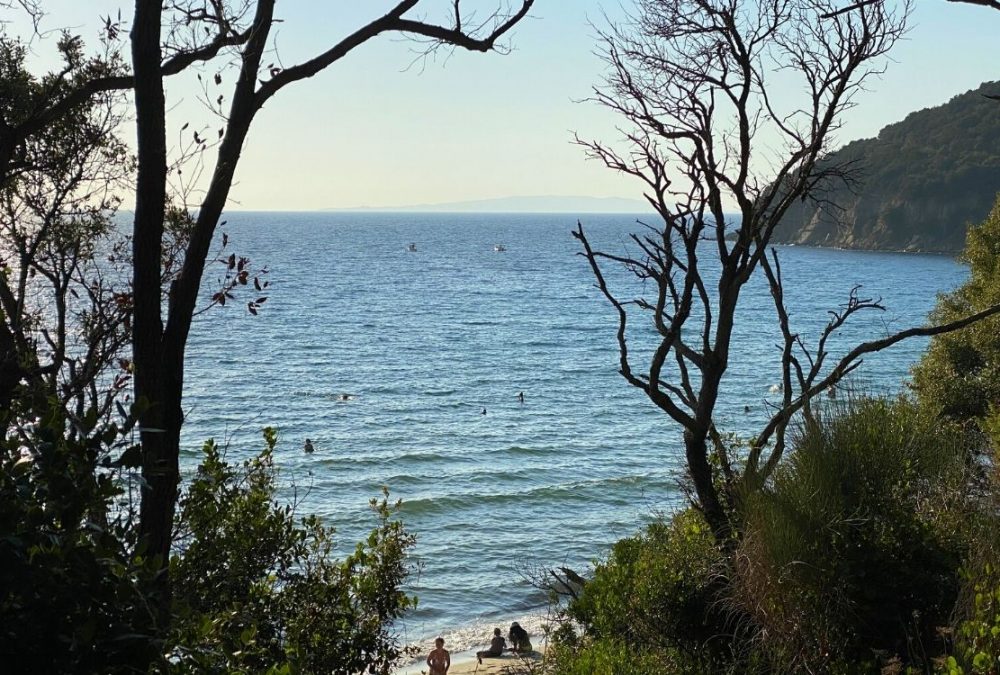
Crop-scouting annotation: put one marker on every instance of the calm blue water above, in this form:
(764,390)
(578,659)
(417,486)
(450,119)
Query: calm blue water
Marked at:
(426,340)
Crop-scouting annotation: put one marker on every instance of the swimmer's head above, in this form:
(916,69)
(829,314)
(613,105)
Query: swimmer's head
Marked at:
(439,642)
(496,631)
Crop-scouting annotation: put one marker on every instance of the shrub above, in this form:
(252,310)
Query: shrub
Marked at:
(850,552)
(652,601)
(959,375)
(71,598)
(258,589)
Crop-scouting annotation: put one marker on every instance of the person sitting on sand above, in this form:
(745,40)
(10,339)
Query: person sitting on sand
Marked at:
(497,645)
(439,660)
(520,643)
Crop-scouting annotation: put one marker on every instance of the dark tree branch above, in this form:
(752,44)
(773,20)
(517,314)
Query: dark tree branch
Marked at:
(690,79)
(392,20)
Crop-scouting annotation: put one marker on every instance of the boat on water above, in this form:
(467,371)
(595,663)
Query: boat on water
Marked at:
(499,248)
(412,248)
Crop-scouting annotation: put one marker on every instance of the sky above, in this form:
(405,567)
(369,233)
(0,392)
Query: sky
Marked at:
(377,129)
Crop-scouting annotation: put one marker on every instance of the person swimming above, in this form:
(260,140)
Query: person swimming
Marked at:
(520,397)
(308,447)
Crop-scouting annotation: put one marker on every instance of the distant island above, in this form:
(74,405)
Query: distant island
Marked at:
(524,204)
(920,183)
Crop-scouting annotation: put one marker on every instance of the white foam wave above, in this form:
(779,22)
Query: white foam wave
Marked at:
(463,641)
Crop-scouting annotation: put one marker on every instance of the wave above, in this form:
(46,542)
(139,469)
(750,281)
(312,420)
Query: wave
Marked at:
(519,451)
(420,457)
(581,491)
(440,392)
(476,633)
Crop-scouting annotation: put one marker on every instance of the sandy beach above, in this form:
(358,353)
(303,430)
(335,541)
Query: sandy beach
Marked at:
(464,663)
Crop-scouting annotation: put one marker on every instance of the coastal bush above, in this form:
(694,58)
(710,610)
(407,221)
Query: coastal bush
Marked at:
(257,588)
(847,561)
(975,627)
(71,598)
(653,600)
(852,552)
(608,656)
(959,375)
(976,630)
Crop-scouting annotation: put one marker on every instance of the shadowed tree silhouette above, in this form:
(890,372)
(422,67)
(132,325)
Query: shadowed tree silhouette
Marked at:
(691,78)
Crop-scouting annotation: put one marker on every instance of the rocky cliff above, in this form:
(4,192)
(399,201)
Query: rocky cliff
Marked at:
(918,185)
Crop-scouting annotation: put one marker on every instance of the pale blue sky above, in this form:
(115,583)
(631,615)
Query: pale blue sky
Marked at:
(369,132)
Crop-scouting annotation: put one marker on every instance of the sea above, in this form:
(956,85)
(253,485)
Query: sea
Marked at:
(400,343)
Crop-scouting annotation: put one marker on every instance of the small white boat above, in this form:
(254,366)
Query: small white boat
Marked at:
(412,248)
(499,248)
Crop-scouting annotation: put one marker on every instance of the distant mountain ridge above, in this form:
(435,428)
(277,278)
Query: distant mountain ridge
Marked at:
(524,204)
(923,181)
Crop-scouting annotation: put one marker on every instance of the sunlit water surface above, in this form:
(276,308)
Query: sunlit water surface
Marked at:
(423,341)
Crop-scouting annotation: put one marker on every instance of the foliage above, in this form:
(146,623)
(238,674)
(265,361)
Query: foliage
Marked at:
(72,600)
(922,179)
(853,549)
(977,632)
(256,588)
(960,373)
(847,558)
(655,596)
(608,656)
(64,316)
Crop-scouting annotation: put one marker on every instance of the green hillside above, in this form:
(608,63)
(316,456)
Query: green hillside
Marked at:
(921,182)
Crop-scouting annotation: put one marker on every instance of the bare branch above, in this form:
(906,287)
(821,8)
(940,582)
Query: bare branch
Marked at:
(690,78)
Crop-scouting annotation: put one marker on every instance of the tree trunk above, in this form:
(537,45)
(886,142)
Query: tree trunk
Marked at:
(159,442)
(696,454)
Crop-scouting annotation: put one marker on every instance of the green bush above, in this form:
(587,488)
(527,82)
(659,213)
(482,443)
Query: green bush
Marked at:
(852,551)
(257,589)
(959,376)
(71,597)
(976,619)
(652,601)
(607,656)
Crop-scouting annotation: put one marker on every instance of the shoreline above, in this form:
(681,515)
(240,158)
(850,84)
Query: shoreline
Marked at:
(464,641)
(954,255)
(464,662)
